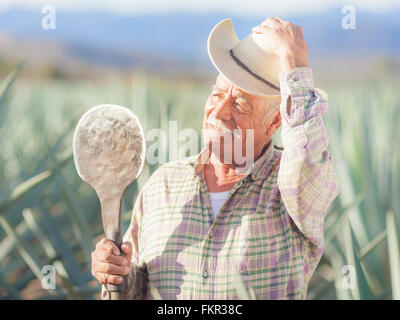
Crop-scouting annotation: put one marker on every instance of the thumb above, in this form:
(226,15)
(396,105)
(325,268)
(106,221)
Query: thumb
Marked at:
(126,247)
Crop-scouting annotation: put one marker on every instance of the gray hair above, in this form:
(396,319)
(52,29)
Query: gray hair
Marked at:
(272,106)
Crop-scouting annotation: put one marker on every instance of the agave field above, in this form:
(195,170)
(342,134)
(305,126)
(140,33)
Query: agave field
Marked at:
(49,216)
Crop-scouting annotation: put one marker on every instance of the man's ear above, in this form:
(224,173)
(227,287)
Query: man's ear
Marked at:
(275,124)
(278,119)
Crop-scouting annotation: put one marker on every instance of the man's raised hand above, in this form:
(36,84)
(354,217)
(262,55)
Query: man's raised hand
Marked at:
(287,41)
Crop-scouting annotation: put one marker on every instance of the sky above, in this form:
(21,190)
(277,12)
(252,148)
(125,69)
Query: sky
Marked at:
(238,7)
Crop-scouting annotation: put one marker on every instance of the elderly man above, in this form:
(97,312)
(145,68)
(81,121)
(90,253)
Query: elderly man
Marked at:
(200,220)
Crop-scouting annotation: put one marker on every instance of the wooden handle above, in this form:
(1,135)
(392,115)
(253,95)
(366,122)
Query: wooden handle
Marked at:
(111,212)
(118,291)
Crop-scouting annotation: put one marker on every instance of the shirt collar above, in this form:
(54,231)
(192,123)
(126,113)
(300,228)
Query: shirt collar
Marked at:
(198,161)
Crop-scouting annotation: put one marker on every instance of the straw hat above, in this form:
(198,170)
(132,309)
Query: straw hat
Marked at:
(249,64)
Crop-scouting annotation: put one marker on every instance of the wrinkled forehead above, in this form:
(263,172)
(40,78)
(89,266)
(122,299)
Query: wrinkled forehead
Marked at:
(224,84)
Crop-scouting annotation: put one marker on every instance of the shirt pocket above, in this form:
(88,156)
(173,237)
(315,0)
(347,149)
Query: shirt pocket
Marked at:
(263,254)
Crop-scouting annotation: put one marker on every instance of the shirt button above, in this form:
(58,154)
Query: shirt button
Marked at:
(205,274)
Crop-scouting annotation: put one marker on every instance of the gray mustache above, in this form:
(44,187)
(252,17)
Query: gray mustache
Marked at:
(219,124)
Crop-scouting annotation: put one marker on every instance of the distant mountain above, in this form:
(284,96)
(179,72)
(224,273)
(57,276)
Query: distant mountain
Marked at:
(108,39)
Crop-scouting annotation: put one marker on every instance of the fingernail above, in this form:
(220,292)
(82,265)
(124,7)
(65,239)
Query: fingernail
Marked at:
(119,279)
(116,252)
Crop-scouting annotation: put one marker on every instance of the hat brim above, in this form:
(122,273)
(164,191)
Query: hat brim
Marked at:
(221,40)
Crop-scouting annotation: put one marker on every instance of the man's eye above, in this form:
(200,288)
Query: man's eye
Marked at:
(216,95)
(239,107)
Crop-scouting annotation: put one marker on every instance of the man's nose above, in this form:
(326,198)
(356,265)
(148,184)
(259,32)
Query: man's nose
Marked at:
(223,110)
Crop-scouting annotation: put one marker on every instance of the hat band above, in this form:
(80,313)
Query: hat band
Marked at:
(240,63)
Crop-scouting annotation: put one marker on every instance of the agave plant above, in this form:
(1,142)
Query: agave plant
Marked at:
(49,217)
(361,230)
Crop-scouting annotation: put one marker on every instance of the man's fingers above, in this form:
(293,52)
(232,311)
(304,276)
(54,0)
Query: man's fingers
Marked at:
(106,244)
(262,29)
(108,257)
(110,269)
(272,22)
(109,246)
(104,278)
(281,20)
(100,243)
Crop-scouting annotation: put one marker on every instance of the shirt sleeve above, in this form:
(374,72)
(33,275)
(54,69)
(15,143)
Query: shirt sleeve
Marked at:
(307,179)
(138,277)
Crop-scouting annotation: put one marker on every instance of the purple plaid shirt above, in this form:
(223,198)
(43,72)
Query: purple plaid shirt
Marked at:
(269,232)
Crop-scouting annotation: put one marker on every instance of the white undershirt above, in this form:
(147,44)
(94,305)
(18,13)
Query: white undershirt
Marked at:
(217,200)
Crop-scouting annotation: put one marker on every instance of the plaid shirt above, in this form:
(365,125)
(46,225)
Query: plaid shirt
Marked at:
(269,230)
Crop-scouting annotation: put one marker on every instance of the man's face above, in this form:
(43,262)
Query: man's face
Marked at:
(229,108)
